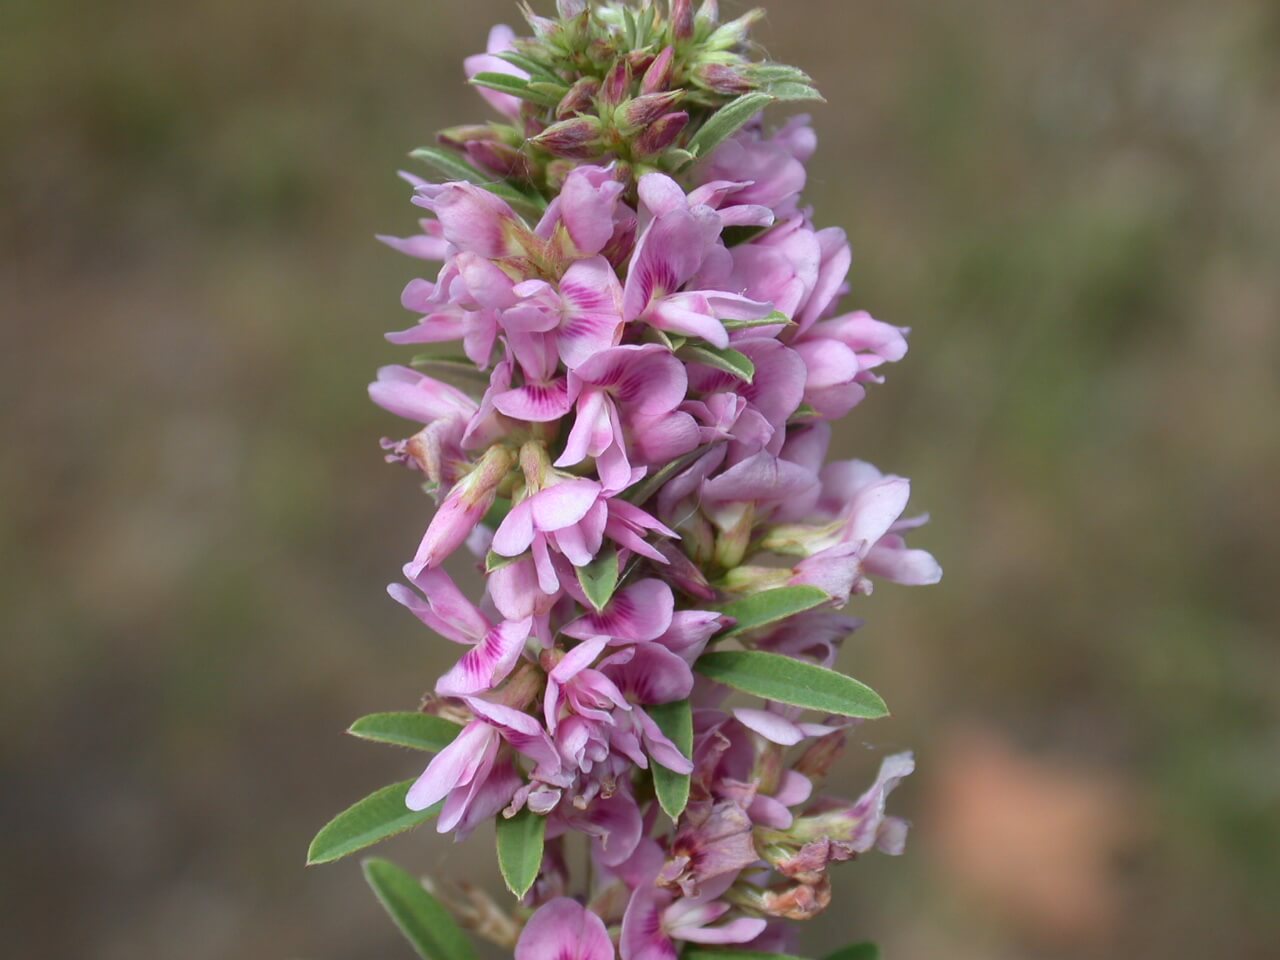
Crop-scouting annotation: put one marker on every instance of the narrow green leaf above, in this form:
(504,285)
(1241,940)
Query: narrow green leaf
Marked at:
(535,68)
(785,680)
(762,609)
(452,167)
(599,578)
(676,721)
(423,920)
(646,488)
(709,953)
(857,951)
(496,561)
(419,731)
(516,87)
(375,818)
(777,318)
(457,373)
(497,513)
(520,840)
(729,360)
(795,92)
(727,121)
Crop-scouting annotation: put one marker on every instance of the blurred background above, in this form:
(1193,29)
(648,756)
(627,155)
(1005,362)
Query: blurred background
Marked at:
(1076,208)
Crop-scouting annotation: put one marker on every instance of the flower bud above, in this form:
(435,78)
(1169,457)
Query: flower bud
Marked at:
(733,33)
(579,98)
(681,19)
(660,73)
(578,138)
(616,86)
(723,78)
(498,158)
(635,115)
(709,12)
(821,755)
(459,137)
(464,507)
(571,8)
(661,134)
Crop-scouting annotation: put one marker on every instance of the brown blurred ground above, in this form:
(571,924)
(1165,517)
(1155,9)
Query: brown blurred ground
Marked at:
(1076,206)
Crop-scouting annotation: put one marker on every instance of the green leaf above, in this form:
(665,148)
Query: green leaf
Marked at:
(535,68)
(496,561)
(772,320)
(785,680)
(375,818)
(762,609)
(795,93)
(457,373)
(520,840)
(727,121)
(423,920)
(496,514)
(516,87)
(419,731)
(676,721)
(857,951)
(646,488)
(729,360)
(599,578)
(453,168)
(708,953)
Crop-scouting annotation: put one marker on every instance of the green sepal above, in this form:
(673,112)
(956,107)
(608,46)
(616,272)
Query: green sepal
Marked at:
(727,121)
(516,87)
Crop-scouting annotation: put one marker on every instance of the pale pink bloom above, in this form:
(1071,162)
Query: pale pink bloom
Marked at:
(636,614)
(841,355)
(670,252)
(613,388)
(495,648)
(587,211)
(500,41)
(475,220)
(583,311)
(564,930)
(430,244)
(656,918)
(771,171)
(415,396)
(568,516)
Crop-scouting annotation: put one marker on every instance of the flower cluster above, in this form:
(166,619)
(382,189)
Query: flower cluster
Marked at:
(636,356)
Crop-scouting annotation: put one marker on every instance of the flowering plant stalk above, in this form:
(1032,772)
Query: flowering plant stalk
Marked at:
(635,358)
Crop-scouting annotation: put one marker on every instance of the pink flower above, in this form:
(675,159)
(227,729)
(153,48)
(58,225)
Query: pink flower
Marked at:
(495,649)
(614,389)
(564,930)
(567,516)
(584,314)
(500,41)
(656,918)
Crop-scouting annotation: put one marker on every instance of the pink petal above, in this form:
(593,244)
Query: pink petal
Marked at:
(741,930)
(488,663)
(454,765)
(875,508)
(592,310)
(515,533)
(411,395)
(536,403)
(642,935)
(771,726)
(564,930)
(639,613)
(563,504)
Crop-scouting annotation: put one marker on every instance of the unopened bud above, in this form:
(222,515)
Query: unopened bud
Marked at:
(636,114)
(821,755)
(681,19)
(734,32)
(578,99)
(723,78)
(617,85)
(661,134)
(709,12)
(571,8)
(498,158)
(459,137)
(660,73)
(578,138)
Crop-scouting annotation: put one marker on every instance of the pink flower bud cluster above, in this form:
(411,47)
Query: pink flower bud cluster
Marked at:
(649,373)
